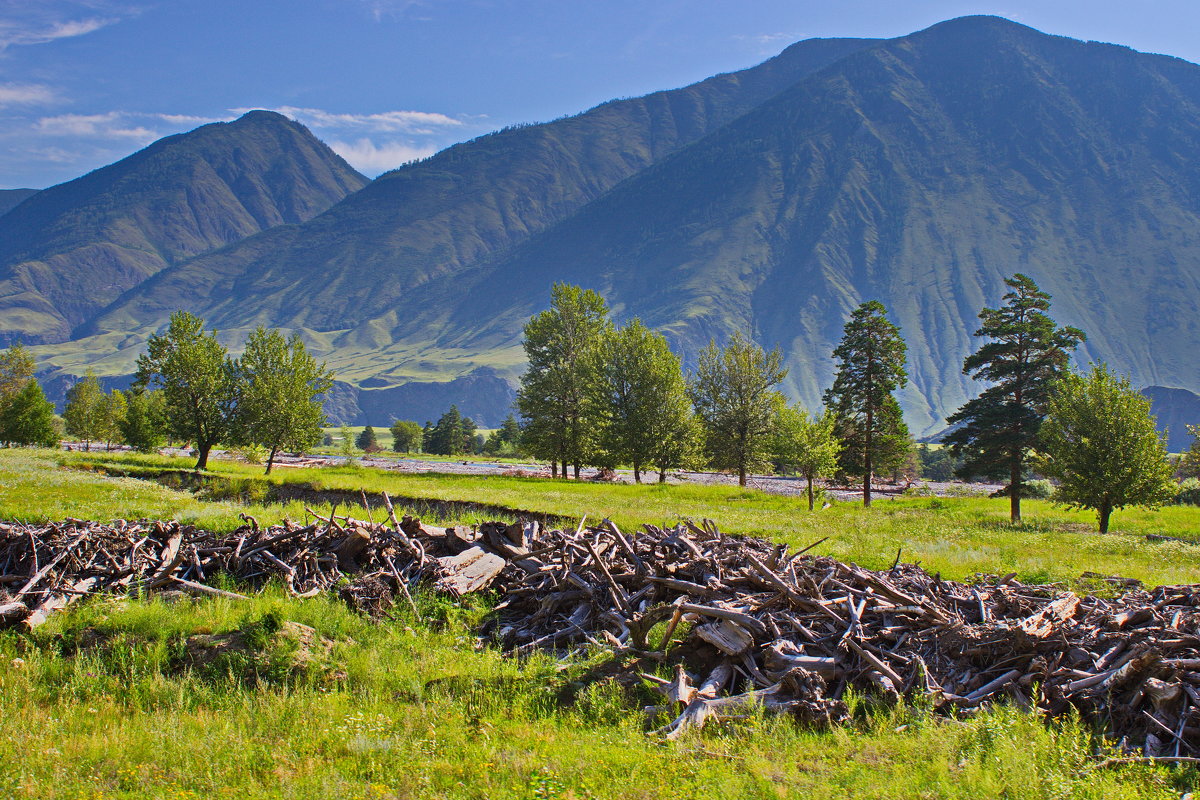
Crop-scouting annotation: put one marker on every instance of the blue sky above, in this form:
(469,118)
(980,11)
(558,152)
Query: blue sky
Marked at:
(86,82)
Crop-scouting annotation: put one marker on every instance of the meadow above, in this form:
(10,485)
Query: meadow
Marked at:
(104,702)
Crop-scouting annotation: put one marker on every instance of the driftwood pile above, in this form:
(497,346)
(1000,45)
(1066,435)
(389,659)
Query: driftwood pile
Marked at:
(757,625)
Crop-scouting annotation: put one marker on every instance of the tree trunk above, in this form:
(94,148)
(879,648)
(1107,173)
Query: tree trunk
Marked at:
(741,476)
(1014,491)
(202,461)
(637,473)
(554,467)
(811,499)
(271,460)
(662,474)
(1105,511)
(867,460)
(576,465)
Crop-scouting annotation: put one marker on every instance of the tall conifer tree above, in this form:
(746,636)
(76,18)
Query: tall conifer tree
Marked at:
(1026,354)
(871,360)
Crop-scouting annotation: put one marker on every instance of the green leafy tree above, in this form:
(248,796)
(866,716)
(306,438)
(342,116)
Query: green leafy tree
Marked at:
(280,386)
(27,418)
(1189,466)
(406,436)
(144,427)
(367,441)
(198,381)
(807,446)
(506,439)
(639,399)
(735,397)
(112,416)
(1099,441)
(346,444)
(871,360)
(84,410)
(552,396)
(16,370)
(1025,354)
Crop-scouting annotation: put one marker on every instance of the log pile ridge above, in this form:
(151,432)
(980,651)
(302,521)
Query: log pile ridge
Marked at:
(736,623)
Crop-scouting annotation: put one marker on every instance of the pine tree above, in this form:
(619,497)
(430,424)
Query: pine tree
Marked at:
(84,411)
(279,394)
(639,400)
(552,395)
(367,441)
(734,393)
(1026,353)
(807,445)
(1100,442)
(1189,467)
(198,381)
(446,439)
(27,418)
(871,360)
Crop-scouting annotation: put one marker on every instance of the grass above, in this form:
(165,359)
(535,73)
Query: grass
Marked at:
(102,703)
(955,536)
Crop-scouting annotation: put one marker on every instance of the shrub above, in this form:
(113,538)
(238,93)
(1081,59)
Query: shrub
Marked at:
(1188,494)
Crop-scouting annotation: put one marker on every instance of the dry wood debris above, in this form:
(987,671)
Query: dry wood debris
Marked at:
(761,626)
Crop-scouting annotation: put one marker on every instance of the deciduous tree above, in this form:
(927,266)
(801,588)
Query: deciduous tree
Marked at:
(198,381)
(639,400)
(1025,354)
(27,418)
(16,370)
(871,360)
(735,397)
(112,417)
(145,425)
(84,411)
(807,445)
(551,398)
(280,386)
(406,436)
(1100,443)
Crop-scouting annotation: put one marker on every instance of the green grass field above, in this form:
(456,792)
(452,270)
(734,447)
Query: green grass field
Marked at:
(102,703)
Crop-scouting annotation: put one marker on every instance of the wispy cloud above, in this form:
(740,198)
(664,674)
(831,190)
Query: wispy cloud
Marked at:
(768,43)
(371,159)
(414,122)
(21,32)
(111,125)
(26,94)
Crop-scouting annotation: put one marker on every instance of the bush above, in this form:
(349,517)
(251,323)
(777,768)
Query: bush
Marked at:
(1188,494)
(1036,489)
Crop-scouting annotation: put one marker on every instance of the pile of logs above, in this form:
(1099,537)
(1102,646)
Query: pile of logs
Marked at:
(736,622)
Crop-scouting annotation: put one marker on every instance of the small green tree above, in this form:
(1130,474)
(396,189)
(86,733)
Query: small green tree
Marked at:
(446,438)
(406,436)
(735,397)
(27,418)
(367,441)
(871,359)
(198,380)
(145,425)
(279,394)
(1025,353)
(506,439)
(1189,467)
(16,370)
(467,436)
(552,396)
(1099,441)
(84,411)
(346,444)
(807,445)
(639,400)
(112,417)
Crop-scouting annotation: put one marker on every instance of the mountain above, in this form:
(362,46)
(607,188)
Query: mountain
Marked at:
(920,171)
(11,198)
(1175,409)
(70,250)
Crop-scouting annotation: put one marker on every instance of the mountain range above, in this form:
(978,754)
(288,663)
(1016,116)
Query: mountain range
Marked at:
(920,171)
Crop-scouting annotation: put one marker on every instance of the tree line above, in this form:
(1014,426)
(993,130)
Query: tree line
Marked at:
(603,395)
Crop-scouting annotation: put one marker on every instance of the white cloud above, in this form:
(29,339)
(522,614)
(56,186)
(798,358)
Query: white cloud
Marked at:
(12,94)
(15,32)
(414,122)
(372,159)
(111,125)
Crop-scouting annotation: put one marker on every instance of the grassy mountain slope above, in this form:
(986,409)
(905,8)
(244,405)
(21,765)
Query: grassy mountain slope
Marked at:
(70,250)
(11,198)
(920,172)
(370,255)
